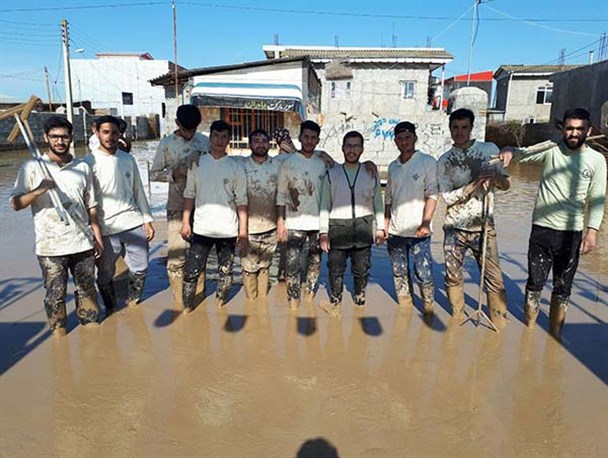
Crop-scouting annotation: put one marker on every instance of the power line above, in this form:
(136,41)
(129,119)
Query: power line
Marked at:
(86,7)
(450,25)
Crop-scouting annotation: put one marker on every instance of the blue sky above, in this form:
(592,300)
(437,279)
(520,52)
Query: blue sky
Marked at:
(221,32)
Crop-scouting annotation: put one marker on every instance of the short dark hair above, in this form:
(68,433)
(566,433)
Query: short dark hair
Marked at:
(104,119)
(57,122)
(189,116)
(310,125)
(404,126)
(257,132)
(122,126)
(462,113)
(577,113)
(220,126)
(352,134)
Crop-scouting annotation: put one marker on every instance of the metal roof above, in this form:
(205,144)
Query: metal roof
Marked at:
(532,69)
(360,54)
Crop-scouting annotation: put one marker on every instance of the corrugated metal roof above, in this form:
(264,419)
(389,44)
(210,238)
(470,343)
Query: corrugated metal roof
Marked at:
(319,52)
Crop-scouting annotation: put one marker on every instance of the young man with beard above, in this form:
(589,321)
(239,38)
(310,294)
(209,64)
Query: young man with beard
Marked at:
(171,166)
(61,248)
(125,218)
(573,177)
(351,201)
(262,173)
(216,189)
(298,200)
(410,200)
(465,176)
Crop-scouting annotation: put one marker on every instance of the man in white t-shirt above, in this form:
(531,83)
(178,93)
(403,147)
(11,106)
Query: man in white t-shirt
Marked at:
(62,247)
(125,217)
(171,166)
(298,201)
(216,189)
(262,173)
(410,200)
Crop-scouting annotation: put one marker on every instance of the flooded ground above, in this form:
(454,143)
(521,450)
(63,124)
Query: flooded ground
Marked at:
(255,380)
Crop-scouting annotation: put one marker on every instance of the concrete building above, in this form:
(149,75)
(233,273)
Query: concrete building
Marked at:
(524,92)
(371,90)
(262,94)
(584,87)
(119,83)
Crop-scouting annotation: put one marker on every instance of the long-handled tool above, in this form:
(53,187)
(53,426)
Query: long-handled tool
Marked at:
(37,155)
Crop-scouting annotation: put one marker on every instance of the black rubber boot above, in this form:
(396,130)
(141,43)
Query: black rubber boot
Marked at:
(108,297)
(136,287)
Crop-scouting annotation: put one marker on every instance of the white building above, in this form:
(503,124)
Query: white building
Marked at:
(372,89)
(119,82)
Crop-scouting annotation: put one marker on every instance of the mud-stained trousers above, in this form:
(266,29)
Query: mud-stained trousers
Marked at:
(177,247)
(259,252)
(196,264)
(559,250)
(360,259)
(455,245)
(295,244)
(55,276)
(400,249)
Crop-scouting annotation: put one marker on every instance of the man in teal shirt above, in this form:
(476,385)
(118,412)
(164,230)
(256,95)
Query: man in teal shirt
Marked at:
(573,175)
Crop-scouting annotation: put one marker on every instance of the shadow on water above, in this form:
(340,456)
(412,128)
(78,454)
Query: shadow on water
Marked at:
(317,448)
(371,326)
(15,289)
(166,318)
(306,325)
(587,342)
(235,323)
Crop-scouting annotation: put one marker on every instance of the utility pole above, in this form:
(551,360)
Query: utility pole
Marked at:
(67,73)
(48,88)
(473,34)
(561,60)
(175,54)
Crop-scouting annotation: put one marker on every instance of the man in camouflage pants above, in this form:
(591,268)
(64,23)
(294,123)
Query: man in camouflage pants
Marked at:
(61,247)
(465,176)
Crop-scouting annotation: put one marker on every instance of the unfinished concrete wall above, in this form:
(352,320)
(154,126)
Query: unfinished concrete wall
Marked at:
(521,103)
(584,87)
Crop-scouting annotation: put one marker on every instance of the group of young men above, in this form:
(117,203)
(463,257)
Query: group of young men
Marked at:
(307,204)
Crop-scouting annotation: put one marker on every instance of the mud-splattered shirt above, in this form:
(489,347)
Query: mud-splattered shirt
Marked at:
(75,189)
(407,188)
(300,181)
(172,153)
(457,168)
(120,193)
(262,181)
(217,186)
(570,179)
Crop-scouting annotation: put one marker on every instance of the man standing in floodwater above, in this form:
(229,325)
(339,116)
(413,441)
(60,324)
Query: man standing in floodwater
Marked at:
(61,248)
(217,192)
(124,213)
(574,175)
(171,166)
(465,176)
(262,173)
(298,201)
(410,200)
(351,202)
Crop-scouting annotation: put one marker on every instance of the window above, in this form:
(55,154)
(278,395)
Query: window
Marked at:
(408,90)
(340,89)
(544,95)
(348,86)
(333,89)
(127,98)
(244,121)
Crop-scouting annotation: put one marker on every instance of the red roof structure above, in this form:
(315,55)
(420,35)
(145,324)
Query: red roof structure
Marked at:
(479,77)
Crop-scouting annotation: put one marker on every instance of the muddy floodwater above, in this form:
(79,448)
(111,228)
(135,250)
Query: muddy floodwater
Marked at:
(255,380)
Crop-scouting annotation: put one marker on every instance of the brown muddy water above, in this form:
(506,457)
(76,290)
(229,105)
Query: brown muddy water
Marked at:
(255,380)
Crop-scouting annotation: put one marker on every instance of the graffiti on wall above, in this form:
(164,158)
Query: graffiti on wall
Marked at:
(383,128)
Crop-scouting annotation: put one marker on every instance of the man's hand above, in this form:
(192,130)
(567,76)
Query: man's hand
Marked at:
(424,230)
(180,173)
(380,237)
(44,186)
(589,241)
(324,242)
(98,247)
(193,159)
(326,158)
(242,241)
(186,231)
(281,231)
(371,168)
(149,229)
(505,155)
(287,146)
